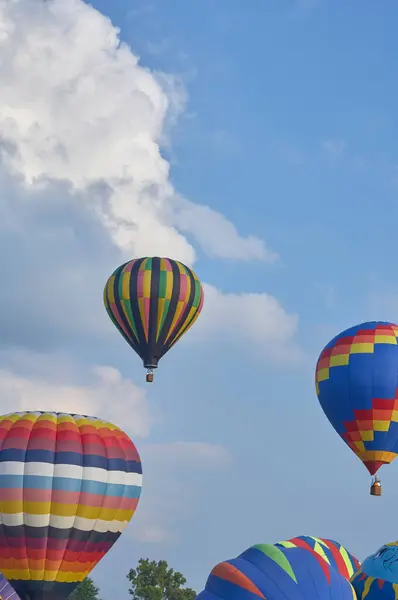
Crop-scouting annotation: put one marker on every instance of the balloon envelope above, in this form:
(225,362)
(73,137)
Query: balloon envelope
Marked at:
(153,302)
(357,386)
(69,486)
(377,578)
(278,572)
(7,592)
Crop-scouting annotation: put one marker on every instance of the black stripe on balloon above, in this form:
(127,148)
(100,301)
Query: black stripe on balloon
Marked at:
(175,294)
(42,590)
(135,308)
(116,293)
(185,313)
(22,534)
(151,355)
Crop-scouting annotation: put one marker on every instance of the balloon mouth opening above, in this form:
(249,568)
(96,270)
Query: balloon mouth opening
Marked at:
(374,465)
(152,363)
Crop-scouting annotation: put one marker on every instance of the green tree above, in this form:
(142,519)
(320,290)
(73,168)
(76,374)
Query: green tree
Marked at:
(153,580)
(87,590)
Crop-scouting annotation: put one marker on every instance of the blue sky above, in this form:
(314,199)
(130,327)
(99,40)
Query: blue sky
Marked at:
(292,136)
(287,129)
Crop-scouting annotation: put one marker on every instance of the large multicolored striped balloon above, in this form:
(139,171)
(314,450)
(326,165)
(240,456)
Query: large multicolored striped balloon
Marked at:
(69,486)
(357,386)
(303,567)
(7,592)
(153,302)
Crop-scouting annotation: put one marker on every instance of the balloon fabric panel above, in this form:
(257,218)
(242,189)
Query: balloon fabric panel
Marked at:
(153,302)
(69,486)
(357,386)
(333,553)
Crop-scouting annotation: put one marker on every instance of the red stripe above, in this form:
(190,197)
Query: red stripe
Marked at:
(67,434)
(341,566)
(43,432)
(342,341)
(383,403)
(324,566)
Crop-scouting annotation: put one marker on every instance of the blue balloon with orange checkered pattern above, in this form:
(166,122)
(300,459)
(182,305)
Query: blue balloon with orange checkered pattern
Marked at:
(356,382)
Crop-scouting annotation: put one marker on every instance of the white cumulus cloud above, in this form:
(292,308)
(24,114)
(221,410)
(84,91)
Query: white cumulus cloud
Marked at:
(255,317)
(76,105)
(107,396)
(84,184)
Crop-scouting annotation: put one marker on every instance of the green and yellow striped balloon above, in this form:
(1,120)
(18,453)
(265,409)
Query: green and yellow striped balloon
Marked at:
(153,302)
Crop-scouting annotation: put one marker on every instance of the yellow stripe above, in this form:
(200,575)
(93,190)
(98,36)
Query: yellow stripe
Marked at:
(362,348)
(66,419)
(287,544)
(385,339)
(339,360)
(319,550)
(316,539)
(146,284)
(110,289)
(59,576)
(97,424)
(322,375)
(381,425)
(47,417)
(169,284)
(65,510)
(27,417)
(8,418)
(126,285)
(381,455)
(366,587)
(347,561)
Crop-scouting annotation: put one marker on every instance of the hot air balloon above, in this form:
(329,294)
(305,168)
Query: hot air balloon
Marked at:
(69,486)
(153,302)
(7,592)
(357,386)
(278,572)
(377,578)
